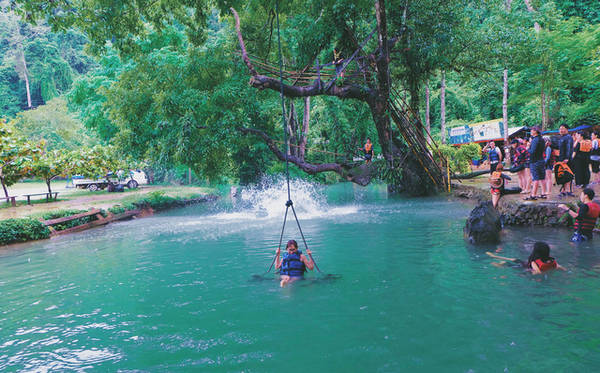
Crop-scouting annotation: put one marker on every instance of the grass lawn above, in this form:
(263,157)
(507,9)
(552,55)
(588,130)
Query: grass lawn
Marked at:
(73,198)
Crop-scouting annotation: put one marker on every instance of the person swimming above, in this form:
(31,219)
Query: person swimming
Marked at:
(293,264)
(538,262)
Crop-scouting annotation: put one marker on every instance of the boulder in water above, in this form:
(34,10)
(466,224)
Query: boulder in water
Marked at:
(483,224)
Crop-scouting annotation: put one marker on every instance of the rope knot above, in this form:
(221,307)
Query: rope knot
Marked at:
(289,203)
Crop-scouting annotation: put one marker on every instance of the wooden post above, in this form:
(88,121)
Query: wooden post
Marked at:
(443,107)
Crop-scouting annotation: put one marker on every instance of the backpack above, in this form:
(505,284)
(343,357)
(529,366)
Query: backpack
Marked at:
(562,173)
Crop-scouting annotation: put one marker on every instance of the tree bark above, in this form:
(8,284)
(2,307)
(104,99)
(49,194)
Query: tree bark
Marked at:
(26,76)
(48,184)
(505,117)
(292,127)
(4,186)
(536,26)
(305,126)
(20,58)
(544,110)
(507,159)
(427,118)
(443,107)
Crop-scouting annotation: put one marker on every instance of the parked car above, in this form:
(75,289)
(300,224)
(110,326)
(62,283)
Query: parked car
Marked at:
(134,179)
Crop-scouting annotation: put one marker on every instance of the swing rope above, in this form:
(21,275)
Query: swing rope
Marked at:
(289,202)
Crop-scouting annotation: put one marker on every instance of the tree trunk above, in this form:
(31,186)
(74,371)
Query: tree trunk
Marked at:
(530,9)
(48,183)
(20,58)
(4,187)
(544,110)
(427,118)
(26,75)
(305,126)
(292,128)
(505,118)
(443,107)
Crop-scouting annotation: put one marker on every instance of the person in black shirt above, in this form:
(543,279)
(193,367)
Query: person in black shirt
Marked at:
(565,147)
(536,163)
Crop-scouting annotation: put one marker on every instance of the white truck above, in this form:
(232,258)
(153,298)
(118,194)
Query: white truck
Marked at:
(132,181)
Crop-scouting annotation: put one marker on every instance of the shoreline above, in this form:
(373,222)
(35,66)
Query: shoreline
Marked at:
(99,217)
(516,212)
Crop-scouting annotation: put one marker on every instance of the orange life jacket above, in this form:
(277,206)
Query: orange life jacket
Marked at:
(368,147)
(587,224)
(545,266)
(585,146)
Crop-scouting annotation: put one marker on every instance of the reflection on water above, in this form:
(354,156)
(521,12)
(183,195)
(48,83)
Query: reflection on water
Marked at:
(185,290)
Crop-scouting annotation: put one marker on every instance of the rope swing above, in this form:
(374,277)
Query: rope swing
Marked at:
(289,204)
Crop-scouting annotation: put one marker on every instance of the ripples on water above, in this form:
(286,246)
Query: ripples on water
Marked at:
(175,292)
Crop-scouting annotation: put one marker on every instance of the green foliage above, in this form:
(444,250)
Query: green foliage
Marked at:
(460,158)
(53,124)
(15,155)
(48,61)
(21,230)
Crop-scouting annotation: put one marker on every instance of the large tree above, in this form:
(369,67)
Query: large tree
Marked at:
(411,41)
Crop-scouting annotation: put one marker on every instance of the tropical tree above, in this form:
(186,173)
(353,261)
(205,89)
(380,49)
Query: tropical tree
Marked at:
(49,165)
(15,153)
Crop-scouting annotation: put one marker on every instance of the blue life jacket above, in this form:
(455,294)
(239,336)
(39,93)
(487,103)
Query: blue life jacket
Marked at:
(291,265)
(494,158)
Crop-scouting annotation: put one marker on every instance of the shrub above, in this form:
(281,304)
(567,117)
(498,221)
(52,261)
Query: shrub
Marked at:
(21,230)
(460,158)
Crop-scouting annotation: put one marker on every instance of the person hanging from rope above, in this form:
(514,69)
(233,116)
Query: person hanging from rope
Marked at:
(368,149)
(294,263)
(338,61)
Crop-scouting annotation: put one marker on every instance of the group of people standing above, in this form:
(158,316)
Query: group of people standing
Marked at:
(535,161)
(570,158)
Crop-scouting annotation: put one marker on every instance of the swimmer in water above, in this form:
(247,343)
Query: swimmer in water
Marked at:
(294,263)
(539,261)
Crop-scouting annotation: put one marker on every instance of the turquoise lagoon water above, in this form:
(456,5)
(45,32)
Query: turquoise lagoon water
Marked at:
(176,292)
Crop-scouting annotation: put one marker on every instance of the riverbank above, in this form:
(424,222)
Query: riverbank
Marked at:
(56,222)
(516,211)
(72,198)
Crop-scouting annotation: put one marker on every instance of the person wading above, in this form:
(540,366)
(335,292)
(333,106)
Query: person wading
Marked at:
(294,263)
(585,217)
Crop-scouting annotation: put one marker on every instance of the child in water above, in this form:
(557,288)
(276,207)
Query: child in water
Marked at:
(539,261)
(497,184)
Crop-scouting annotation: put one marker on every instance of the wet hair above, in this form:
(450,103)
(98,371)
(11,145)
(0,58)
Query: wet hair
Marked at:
(589,192)
(565,125)
(541,250)
(597,133)
(368,139)
(292,242)
(582,134)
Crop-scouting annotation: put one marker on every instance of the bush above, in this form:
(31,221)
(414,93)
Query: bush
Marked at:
(156,200)
(21,230)
(461,158)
